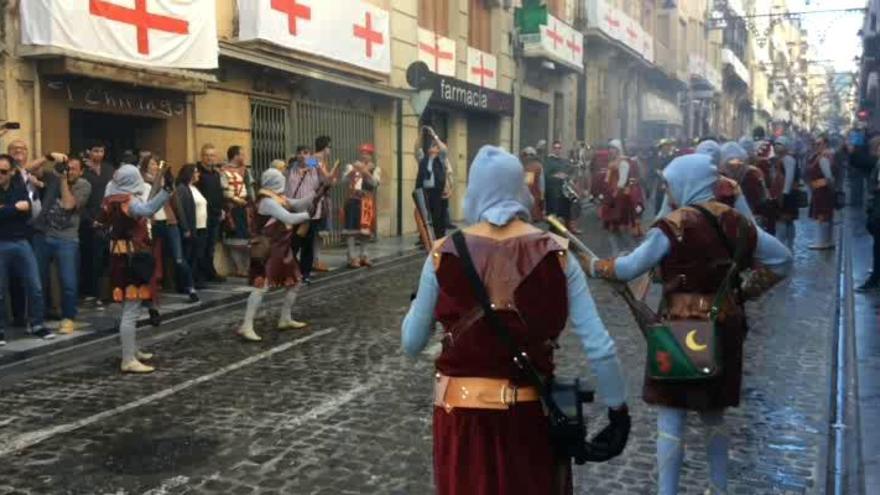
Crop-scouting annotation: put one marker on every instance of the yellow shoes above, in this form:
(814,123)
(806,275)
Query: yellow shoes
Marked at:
(291,325)
(248,334)
(66,327)
(135,366)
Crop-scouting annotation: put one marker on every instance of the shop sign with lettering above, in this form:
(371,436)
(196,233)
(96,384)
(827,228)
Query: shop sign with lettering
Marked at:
(460,94)
(109,98)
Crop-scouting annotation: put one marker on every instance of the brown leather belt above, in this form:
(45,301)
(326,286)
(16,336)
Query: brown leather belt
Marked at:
(818,183)
(452,392)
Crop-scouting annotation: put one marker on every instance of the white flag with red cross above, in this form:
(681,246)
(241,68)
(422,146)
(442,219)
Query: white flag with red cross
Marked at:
(156,33)
(438,52)
(482,69)
(351,31)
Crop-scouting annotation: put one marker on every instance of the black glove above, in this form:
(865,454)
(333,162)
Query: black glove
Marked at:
(610,442)
(168,181)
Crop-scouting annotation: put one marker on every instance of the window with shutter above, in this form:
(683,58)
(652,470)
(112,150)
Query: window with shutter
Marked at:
(434,16)
(480,26)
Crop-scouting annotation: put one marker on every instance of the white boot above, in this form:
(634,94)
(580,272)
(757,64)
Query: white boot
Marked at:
(246,330)
(285,321)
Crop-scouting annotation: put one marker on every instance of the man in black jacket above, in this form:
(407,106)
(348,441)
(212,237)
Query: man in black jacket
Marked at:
(431,178)
(92,241)
(16,255)
(211,188)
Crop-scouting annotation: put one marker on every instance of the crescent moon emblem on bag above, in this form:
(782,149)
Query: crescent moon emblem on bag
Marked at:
(692,344)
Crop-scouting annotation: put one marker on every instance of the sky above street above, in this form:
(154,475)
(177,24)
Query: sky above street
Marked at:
(833,36)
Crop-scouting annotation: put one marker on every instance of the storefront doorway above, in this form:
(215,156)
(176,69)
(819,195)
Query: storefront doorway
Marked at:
(482,130)
(534,122)
(117,132)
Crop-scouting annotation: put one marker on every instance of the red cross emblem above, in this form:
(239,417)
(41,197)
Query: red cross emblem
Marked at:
(369,36)
(436,52)
(612,21)
(555,36)
(574,46)
(482,71)
(140,18)
(632,34)
(295,11)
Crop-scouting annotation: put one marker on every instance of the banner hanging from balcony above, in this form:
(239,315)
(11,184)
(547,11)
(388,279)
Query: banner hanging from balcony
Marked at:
(438,52)
(155,33)
(619,26)
(482,69)
(557,42)
(351,31)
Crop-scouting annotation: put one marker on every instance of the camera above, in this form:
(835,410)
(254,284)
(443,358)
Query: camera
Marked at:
(61,168)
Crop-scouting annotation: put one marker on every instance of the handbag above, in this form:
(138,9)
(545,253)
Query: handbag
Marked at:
(141,266)
(562,399)
(690,349)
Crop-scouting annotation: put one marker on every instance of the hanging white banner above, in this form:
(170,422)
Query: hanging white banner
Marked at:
(482,69)
(438,52)
(350,31)
(156,33)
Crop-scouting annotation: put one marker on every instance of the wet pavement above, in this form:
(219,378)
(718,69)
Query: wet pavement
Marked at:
(337,408)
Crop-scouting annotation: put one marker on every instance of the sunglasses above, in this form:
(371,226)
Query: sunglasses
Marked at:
(5,171)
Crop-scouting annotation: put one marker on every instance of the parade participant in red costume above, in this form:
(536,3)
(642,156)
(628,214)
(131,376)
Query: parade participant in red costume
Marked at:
(820,175)
(490,430)
(695,246)
(238,209)
(735,166)
(785,188)
(273,264)
(124,214)
(618,212)
(534,180)
(362,178)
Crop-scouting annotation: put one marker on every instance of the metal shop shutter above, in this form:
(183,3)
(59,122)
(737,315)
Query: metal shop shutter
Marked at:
(348,128)
(269,134)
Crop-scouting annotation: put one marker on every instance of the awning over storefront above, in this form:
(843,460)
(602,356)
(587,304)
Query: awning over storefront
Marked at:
(655,108)
(256,56)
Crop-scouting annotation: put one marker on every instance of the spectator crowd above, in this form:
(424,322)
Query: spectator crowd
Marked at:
(51,217)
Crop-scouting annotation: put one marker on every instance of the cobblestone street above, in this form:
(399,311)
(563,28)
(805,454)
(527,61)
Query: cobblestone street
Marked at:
(337,409)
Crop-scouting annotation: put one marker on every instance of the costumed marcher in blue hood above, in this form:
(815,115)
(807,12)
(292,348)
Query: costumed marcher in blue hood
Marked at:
(736,165)
(487,441)
(694,260)
(785,190)
(124,214)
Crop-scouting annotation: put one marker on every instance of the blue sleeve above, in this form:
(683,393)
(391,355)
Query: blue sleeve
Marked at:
(149,208)
(825,165)
(648,255)
(597,343)
(419,320)
(772,254)
(742,205)
(17,193)
(789,165)
(275,210)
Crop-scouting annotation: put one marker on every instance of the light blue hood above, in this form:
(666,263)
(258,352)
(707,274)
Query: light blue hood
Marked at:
(496,191)
(691,179)
(712,149)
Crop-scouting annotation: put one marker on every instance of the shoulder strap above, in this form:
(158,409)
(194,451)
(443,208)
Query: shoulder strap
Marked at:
(520,358)
(738,253)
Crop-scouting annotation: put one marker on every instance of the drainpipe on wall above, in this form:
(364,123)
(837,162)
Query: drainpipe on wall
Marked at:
(399,132)
(38,113)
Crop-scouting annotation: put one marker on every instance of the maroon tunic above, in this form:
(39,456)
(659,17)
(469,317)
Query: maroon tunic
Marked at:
(692,272)
(822,201)
(490,452)
(618,211)
(280,268)
(128,235)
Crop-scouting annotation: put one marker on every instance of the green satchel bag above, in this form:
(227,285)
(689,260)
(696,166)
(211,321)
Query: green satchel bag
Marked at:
(690,350)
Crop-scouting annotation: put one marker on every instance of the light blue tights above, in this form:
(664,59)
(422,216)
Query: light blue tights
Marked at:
(670,449)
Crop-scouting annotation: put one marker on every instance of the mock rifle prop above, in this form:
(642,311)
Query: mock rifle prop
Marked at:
(160,180)
(644,315)
(302,230)
(424,224)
